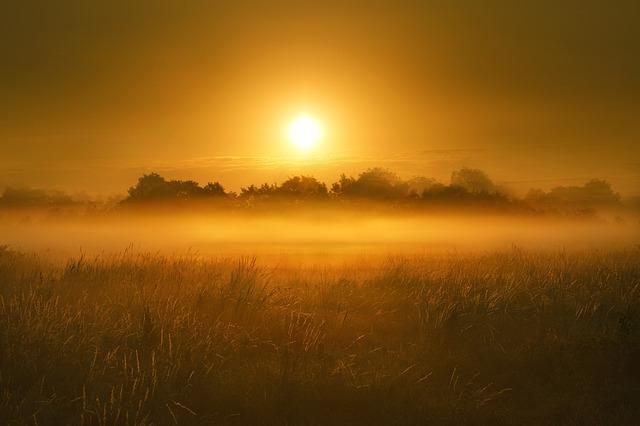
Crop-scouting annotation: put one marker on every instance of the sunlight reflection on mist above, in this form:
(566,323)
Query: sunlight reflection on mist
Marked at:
(328,236)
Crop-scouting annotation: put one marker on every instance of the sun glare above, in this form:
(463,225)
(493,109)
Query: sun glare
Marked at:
(305,132)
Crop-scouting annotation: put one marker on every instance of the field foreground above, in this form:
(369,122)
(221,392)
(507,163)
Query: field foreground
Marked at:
(511,337)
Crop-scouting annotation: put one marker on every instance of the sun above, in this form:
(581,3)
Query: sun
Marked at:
(305,132)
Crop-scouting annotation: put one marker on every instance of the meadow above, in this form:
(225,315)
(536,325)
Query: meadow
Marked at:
(509,336)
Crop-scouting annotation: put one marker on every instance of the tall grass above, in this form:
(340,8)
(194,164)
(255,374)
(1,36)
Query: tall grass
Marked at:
(509,337)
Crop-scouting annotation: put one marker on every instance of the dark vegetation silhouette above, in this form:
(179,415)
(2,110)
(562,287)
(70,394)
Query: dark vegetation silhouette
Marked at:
(153,187)
(376,184)
(468,189)
(29,197)
(593,194)
(294,188)
(473,181)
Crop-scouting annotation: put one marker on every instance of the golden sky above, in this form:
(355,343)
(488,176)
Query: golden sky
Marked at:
(538,93)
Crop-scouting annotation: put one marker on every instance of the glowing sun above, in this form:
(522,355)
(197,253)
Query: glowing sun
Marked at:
(305,132)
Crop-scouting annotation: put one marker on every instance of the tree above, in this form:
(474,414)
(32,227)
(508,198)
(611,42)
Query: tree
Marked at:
(296,188)
(155,187)
(302,187)
(473,180)
(185,189)
(343,186)
(594,193)
(151,186)
(598,191)
(263,191)
(446,193)
(419,184)
(214,189)
(29,197)
(375,183)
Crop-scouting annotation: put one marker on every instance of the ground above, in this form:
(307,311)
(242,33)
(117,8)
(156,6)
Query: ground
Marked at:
(504,337)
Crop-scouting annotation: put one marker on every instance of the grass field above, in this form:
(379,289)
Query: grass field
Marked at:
(505,337)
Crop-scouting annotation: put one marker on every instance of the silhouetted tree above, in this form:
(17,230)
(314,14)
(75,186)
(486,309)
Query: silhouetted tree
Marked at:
(343,186)
(595,193)
(376,183)
(151,186)
(302,187)
(469,187)
(599,191)
(263,191)
(294,188)
(446,193)
(29,197)
(185,189)
(460,195)
(155,187)
(419,184)
(214,189)
(473,180)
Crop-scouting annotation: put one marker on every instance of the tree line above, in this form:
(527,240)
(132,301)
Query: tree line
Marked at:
(466,186)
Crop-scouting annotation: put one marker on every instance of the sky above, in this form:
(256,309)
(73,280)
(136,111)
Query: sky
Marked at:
(538,93)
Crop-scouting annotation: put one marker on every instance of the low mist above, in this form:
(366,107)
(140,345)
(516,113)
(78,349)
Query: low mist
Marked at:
(322,233)
(375,213)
